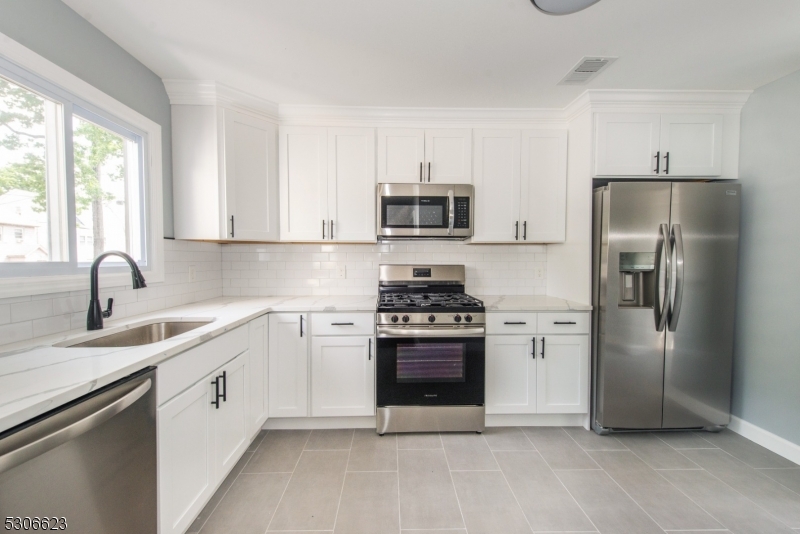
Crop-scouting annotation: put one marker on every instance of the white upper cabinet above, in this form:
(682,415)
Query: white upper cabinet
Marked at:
(520,186)
(351,184)
(497,185)
(225,174)
(407,155)
(327,182)
(304,183)
(653,144)
(288,365)
(691,145)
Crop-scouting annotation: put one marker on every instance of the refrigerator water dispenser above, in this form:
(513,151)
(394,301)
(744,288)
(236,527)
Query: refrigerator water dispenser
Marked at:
(637,279)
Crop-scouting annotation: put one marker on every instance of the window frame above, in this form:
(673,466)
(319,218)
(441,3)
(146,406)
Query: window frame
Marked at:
(77,97)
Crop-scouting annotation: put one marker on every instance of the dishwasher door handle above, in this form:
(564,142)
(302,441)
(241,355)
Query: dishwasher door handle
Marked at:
(69,424)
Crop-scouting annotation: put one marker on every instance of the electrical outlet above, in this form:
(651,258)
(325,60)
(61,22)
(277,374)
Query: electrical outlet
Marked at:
(341,271)
(192,273)
(538,273)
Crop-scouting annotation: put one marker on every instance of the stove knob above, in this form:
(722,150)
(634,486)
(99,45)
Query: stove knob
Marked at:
(468,318)
(457,318)
(394,318)
(431,318)
(406,318)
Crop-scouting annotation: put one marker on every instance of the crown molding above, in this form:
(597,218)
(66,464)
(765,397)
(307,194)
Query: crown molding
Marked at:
(211,93)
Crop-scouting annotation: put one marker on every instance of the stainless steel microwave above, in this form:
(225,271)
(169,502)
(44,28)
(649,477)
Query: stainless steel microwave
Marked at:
(432,211)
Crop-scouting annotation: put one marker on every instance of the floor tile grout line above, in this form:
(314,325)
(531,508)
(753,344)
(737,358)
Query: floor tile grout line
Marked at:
(562,482)
(582,449)
(516,499)
(399,515)
(453,482)
(742,494)
(232,483)
(712,446)
(758,470)
(344,478)
(288,482)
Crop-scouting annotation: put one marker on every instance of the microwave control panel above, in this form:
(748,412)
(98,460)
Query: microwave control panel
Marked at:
(461,212)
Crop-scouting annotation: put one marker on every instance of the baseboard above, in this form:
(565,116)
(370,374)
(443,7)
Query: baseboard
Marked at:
(576,419)
(311,423)
(765,438)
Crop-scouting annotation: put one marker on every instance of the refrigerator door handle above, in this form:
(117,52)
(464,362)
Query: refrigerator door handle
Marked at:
(661,307)
(676,240)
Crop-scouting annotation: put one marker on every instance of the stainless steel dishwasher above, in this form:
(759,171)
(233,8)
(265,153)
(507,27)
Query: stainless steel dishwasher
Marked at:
(91,462)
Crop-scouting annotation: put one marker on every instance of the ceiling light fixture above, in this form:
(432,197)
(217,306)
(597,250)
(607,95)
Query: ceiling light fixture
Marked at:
(562,7)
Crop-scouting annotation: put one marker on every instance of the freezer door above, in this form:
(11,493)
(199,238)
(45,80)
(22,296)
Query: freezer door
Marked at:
(628,348)
(699,349)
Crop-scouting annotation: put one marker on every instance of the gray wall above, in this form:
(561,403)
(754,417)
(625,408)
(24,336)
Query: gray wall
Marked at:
(766,389)
(53,30)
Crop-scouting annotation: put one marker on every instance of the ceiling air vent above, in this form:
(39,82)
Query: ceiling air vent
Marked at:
(586,70)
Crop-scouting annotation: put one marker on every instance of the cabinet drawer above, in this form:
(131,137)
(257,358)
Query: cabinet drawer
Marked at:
(563,323)
(342,324)
(511,323)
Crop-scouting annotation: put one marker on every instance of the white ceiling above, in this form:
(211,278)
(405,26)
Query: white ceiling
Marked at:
(451,53)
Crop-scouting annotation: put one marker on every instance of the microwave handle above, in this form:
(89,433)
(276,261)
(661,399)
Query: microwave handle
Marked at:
(451,201)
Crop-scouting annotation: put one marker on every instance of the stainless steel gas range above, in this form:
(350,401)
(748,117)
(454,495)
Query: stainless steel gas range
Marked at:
(430,355)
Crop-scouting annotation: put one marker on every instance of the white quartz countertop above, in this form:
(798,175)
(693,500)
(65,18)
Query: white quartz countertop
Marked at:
(36,377)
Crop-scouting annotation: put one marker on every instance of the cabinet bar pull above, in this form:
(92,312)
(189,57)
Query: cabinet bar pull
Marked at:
(543,348)
(429,171)
(342,324)
(370,348)
(658,162)
(564,322)
(666,165)
(323,228)
(215,402)
(533,351)
(301,326)
(420,171)
(515,322)
(331,228)
(516,231)
(525,231)
(224,386)
(232,228)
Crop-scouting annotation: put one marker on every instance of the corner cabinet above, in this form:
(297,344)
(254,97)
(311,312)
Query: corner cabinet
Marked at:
(416,155)
(537,363)
(258,409)
(520,180)
(662,145)
(225,174)
(327,184)
(288,365)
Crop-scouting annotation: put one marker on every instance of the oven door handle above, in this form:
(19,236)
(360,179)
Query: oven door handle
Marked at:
(430,331)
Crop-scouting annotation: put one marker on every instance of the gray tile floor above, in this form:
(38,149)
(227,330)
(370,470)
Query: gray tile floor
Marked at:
(506,481)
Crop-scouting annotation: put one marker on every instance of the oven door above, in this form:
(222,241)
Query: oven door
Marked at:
(428,367)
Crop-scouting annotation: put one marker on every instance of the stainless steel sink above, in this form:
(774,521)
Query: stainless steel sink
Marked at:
(144,334)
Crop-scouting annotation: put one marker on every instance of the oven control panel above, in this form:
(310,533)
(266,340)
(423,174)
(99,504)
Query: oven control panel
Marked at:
(462,318)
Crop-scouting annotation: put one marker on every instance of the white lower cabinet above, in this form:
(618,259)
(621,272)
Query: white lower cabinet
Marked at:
(563,374)
(230,429)
(510,375)
(258,408)
(288,365)
(342,376)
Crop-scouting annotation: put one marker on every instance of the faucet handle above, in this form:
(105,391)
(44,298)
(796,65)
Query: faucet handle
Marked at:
(108,312)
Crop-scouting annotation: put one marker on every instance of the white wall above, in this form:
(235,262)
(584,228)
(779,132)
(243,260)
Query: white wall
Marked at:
(23,318)
(293,269)
(767,344)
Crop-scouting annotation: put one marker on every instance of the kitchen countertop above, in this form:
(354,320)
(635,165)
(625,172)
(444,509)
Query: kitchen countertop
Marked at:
(36,377)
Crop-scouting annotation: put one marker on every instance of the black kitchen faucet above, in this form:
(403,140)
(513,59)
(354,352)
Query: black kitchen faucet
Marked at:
(94,319)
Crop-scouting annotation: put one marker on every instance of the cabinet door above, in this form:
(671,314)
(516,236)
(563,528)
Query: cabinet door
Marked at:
(258,372)
(251,178)
(694,144)
(510,375)
(543,204)
(351,184)
(288,365)
(231,435)
(448,156)
(342,376)
(563,375)
(497,187)
(401,154)
(186,473)
(626,144)
(304,183)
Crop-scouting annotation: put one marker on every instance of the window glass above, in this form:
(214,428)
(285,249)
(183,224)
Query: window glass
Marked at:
(32,183)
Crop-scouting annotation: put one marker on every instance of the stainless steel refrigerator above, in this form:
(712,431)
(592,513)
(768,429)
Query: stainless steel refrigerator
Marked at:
(664,290)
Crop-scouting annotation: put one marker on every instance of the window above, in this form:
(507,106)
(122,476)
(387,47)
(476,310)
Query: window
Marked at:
(67,214)
(77,178)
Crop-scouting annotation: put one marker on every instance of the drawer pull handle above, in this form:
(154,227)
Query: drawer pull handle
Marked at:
(342,324)
(564,322)
(515,322)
